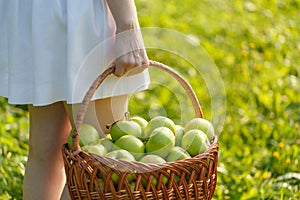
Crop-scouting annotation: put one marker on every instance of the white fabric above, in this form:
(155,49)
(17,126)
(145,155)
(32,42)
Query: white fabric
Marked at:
(52,50)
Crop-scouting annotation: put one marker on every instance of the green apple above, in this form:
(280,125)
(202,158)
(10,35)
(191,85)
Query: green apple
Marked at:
(107,143)
(131,144)
(159,121)
(130,177)
(88,135)
(120,128)
(70,138)
(195,142)
(150,158)
(201,124)
(115,178)
(141,121)
(121,154)
(161,141)
(154,181)
(178,153)
(101,183)
(179,134)
(177,179)
(97,149)
(132,186)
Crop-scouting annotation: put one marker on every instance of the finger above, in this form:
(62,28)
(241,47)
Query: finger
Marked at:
(132,63)
(124,64)
(145,60)
(140,63)
(137,69)
(119,70)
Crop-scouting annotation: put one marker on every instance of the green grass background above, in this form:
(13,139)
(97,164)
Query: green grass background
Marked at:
(256,47)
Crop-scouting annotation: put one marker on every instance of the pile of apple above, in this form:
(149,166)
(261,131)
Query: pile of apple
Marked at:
(157,141)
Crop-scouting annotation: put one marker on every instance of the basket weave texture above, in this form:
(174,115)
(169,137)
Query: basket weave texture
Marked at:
(92,177)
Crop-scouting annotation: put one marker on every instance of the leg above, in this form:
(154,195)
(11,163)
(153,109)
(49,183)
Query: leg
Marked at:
(101,112)
(110,110)
(49,130)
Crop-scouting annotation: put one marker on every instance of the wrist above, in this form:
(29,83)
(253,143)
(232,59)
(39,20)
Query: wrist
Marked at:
(127,25)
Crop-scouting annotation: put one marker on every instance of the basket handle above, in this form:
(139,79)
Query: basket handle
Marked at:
(83,107)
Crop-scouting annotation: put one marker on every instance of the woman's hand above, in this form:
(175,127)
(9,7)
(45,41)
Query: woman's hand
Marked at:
(132,57)
(129,46)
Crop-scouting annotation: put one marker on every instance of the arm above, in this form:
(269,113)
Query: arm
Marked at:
(129,43)
(124,13)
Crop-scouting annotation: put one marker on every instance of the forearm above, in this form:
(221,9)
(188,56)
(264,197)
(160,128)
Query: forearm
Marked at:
(124,13)
(130,51)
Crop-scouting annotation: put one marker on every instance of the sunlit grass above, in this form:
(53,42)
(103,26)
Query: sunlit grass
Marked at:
(256,46)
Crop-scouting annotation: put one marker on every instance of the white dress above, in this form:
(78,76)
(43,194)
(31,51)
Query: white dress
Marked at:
(52,50)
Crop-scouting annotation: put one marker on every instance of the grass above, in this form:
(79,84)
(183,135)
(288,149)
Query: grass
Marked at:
(13,150)
(255,46)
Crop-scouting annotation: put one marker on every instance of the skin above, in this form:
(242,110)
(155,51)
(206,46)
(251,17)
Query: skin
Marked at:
(125,15)
(50,125)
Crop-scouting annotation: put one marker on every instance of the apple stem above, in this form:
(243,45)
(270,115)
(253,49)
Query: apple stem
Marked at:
(108,126)
(127,116)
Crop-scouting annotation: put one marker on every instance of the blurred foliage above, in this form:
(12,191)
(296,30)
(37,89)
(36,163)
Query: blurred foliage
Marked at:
(14,128)
(256,46)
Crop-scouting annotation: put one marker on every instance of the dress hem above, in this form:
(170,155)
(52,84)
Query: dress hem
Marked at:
(144,87)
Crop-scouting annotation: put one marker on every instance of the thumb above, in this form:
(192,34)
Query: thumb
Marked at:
(119,70)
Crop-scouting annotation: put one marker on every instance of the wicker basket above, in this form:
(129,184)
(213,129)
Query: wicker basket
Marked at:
(91,177)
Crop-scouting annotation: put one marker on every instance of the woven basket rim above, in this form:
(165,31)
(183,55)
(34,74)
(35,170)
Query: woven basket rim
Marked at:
(150,166)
